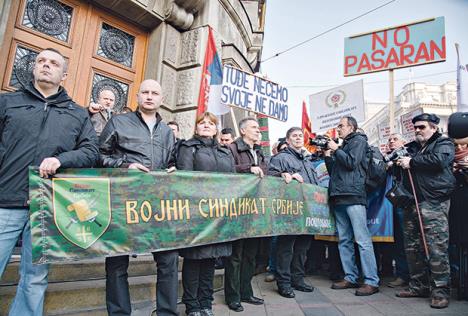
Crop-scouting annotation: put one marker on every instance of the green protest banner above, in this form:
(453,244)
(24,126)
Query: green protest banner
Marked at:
(90,213)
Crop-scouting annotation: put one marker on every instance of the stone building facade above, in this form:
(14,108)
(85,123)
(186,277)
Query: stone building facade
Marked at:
(430,98)
(121,42)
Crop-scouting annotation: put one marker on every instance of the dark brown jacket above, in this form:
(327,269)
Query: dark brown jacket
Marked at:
(100,120)
(243,157)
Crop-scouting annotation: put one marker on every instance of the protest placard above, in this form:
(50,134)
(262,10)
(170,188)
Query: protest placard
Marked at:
(253,93)
(327,107)
(415,43)
(407,129)
(384,133)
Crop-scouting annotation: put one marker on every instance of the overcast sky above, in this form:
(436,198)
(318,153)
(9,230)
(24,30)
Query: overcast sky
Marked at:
(319,63)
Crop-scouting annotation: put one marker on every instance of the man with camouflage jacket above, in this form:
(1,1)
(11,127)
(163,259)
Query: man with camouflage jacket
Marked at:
(430,164)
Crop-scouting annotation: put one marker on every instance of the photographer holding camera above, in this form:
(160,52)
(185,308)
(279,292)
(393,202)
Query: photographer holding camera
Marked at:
(347,191)
(396,150)
(429,164)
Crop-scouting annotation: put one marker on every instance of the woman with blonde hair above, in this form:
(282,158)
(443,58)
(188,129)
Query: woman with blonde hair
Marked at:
(203,153)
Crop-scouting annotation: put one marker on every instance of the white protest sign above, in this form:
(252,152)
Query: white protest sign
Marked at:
(407,129)
(327,107)
(384,134)
(255,94)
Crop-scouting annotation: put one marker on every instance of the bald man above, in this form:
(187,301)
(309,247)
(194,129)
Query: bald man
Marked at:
(101,112)
(121,147)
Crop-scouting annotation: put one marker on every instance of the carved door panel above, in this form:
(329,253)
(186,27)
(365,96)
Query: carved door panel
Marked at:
(102,51)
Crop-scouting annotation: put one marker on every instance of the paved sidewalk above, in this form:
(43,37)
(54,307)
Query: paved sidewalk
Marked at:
(327,302)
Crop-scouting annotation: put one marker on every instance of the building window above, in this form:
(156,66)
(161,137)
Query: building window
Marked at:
(23,67)
(119,88)
(116,45)
(49,17)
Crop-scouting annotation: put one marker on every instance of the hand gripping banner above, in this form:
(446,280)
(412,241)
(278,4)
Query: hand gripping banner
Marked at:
(90,213)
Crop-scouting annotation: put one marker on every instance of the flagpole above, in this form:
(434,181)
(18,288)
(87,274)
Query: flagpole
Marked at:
(391,101)
(234,122)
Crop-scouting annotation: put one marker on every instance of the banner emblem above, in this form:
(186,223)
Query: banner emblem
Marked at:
(82,210)
(336,98)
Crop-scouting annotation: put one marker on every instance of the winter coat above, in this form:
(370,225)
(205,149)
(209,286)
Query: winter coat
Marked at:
(32,128)
(431,168)
(205,154)
(127,139)
(291,161)
(347,168)
(243,157)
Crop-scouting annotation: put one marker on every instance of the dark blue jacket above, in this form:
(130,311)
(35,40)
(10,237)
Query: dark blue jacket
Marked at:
(292,162)
(347,168)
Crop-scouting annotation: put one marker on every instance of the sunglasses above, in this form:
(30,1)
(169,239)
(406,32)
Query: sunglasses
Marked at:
(419,127)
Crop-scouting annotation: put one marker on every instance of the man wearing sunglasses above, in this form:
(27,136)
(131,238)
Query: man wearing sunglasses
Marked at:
(430,165)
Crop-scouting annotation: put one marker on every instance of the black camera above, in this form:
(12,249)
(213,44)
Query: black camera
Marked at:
(321,141)
(396,154)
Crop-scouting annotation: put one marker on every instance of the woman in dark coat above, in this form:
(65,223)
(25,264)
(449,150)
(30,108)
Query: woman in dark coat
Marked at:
(203,153)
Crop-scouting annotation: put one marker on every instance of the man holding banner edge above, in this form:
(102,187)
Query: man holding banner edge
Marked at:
(119,149)
(292,163)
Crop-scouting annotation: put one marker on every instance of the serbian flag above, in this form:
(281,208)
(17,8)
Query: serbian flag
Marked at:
(462,84)
(209,98)
(307,129)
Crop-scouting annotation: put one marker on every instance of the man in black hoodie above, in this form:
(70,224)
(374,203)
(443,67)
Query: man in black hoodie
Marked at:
(430,163)
(347,168)
(41,126)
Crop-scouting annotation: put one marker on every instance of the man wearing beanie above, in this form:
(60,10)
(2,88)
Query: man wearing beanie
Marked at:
(430,163)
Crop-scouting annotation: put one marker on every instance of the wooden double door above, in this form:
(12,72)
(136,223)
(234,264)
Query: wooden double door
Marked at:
(102,51)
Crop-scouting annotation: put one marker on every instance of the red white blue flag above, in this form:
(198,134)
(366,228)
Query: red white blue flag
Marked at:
(209,98)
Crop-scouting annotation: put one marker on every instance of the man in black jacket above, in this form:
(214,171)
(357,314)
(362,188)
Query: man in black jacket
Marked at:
(347,168)
(292,164)
(41,126)
(140,140)
(430,164)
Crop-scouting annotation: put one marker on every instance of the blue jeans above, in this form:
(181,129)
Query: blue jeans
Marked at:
(29,299)
(351,221)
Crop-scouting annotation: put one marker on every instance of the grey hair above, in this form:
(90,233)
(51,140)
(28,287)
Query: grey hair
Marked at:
(397,135)
(244,121)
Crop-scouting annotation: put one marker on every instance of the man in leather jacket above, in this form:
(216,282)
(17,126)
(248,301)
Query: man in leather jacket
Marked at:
(101,112)
(430,163)
(41,126)
(140,140)
(292,163)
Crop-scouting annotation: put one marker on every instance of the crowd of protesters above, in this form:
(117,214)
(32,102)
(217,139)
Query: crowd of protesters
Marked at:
(41,126)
